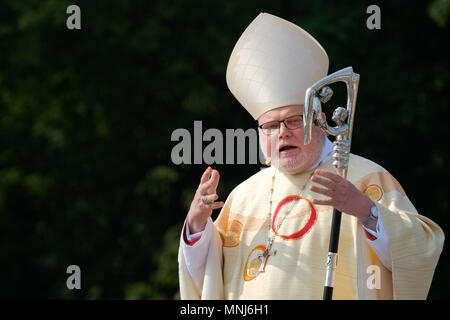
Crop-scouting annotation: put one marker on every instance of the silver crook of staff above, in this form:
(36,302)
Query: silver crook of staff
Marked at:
(343,117)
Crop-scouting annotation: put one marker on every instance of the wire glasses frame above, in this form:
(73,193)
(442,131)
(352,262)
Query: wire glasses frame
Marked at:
(291,123)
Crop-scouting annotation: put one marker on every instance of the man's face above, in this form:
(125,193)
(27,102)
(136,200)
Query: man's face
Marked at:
(285,148)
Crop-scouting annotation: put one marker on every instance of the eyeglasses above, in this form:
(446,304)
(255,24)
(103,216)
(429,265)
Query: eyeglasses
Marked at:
(291,123)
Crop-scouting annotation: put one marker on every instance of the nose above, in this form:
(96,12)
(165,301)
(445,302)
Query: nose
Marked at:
(284,131)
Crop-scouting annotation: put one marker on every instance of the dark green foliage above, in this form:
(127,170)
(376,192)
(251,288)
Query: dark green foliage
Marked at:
(86,118)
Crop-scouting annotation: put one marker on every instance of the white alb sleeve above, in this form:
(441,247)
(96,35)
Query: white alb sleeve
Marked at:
(196,250)
(381,244)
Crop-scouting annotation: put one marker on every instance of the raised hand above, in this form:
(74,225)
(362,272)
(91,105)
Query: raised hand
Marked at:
(204,201)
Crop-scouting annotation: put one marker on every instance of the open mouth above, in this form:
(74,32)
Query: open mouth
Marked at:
(287,148)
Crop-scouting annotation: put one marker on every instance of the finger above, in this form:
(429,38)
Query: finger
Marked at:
(216,205)
(323,181)
(215,176)
(206,175)
(323,202)
(323,191)
(211,185)
(210,198)
(328,174)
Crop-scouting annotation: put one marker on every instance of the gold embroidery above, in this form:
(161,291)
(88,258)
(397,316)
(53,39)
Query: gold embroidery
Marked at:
(254,267)
(252,270)
(232,235)
(374,192)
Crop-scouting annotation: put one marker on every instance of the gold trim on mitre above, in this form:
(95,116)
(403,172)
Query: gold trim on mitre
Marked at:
(273,63)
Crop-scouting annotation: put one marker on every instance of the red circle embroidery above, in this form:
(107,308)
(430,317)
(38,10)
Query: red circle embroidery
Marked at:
(300,233)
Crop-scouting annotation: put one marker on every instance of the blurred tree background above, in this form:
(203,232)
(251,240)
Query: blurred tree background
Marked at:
(86,118)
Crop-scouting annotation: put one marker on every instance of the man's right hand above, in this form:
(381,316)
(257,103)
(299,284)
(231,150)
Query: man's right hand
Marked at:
(204,201)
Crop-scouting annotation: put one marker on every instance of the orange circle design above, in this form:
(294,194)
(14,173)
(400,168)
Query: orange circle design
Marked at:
(248,277)
(374,192)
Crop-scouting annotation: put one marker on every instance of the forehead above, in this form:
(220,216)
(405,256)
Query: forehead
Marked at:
(281,113)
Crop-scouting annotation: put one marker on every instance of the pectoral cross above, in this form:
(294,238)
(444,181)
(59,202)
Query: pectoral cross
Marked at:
(265,255)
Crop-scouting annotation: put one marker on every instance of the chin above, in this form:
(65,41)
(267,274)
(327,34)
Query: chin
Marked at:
(292,166)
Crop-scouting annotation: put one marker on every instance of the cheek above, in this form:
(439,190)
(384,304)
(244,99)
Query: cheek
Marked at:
(316,141)
(298,134)
(317,134)
(264,143)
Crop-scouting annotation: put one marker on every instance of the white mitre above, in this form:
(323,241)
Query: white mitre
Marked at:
(273,63)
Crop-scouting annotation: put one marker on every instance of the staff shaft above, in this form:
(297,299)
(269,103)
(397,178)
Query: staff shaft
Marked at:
(332,254)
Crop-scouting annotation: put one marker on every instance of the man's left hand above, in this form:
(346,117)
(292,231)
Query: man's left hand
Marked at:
(341,193)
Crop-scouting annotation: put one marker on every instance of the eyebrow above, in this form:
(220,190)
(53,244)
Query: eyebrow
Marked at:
(288,116)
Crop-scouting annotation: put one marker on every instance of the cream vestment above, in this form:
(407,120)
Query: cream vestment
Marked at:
(297,271)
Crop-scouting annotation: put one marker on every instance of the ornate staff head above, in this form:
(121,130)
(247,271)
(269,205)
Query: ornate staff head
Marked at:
(320,93)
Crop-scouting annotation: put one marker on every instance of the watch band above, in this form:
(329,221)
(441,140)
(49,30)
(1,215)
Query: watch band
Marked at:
(372,217)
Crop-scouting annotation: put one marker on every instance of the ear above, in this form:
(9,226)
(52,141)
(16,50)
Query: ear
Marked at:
(324,116)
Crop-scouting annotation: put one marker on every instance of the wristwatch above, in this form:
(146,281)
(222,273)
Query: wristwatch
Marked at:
(372,216)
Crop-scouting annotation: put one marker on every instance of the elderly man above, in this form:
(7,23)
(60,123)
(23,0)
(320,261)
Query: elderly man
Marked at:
(270,240)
